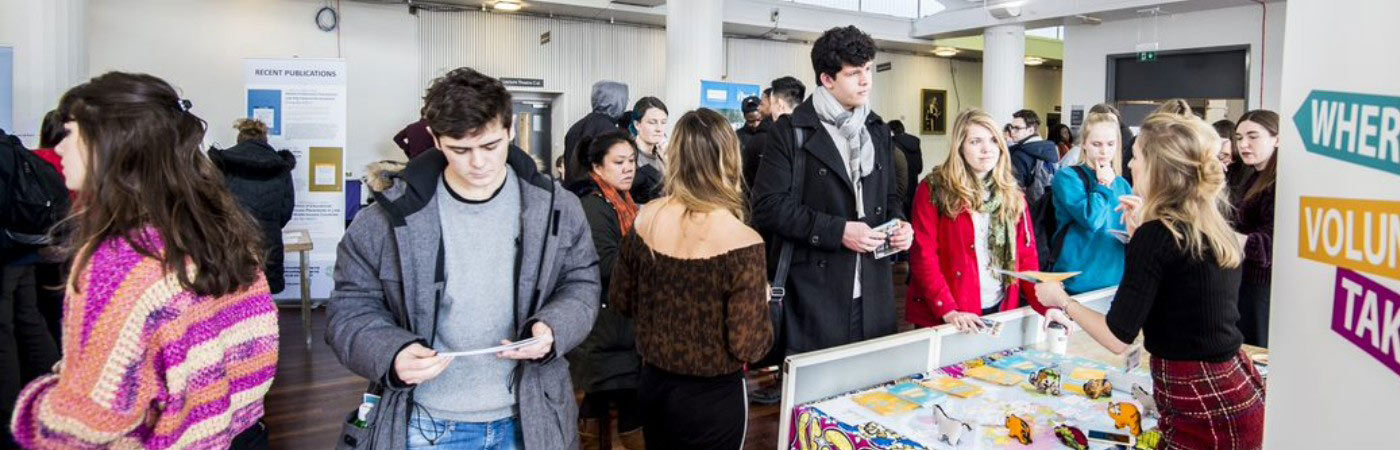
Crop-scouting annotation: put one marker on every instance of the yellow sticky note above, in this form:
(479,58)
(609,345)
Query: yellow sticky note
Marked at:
(1086,374)
(993,375)
(954,387)
(883,403)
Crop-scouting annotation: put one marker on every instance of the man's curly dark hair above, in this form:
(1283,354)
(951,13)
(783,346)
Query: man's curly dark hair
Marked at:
(841,46)
(464,101)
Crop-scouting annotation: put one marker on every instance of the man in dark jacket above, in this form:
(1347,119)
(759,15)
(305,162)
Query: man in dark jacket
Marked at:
(914,157)
(470,247)
(260,178)
(837,292)
(1031,156)
(609,101)
(783,95)
(752,120)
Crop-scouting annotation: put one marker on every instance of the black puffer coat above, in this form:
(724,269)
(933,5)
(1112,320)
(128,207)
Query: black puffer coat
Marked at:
(261,179)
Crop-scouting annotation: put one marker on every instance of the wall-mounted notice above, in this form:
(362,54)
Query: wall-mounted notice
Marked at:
(727,98)
(303,103)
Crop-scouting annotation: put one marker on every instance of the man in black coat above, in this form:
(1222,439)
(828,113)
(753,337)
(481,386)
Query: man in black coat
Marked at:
(1030,153)
(782,96)
(909,144)
(260,178)
(837,292)
(609,100)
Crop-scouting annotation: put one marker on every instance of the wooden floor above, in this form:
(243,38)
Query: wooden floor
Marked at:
(313,393)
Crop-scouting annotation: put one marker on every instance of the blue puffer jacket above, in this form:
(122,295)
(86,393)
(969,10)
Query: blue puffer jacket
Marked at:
(1089,246)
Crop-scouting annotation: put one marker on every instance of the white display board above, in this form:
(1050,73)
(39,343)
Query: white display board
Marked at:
(1335,316)
(302,101)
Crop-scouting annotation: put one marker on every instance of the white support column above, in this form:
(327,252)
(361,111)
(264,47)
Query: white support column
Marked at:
(1004,71)
(694,51)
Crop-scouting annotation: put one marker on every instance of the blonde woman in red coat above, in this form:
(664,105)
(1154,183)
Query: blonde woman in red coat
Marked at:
(970,218)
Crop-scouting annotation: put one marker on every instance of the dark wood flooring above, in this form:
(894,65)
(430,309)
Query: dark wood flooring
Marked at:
(313,393)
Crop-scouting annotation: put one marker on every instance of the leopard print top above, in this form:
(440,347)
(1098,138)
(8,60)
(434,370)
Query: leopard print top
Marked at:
(701,317)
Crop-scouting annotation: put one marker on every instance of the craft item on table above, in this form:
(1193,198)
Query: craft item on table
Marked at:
(1072,437)
(993,375)
(1097,389)
(1015,362)
(884,438)
(1086,374)
(1019,429)
(916,393)
(1046,380)
(954,387)
(1149,404)
(1122,440)
(883,403)
(949,430)
(1126,415)
(1149,440)
(1124,381)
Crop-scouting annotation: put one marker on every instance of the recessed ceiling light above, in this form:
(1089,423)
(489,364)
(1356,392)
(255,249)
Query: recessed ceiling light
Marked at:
(946,52)
(507,6)
(1034,60)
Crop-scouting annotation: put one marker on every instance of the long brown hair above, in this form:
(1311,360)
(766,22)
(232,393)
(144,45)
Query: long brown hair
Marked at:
(1186,185)
(145,171)
(1268,176)
(704,171)
(956,189)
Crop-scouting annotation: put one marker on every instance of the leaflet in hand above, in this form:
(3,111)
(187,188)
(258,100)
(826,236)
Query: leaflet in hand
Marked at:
(494,350)
(1036,276)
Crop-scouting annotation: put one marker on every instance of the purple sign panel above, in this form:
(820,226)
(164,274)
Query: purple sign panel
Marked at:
(1368,315)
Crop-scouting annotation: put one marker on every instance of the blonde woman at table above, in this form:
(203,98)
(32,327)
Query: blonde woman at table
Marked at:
(970,220)
(1180,288)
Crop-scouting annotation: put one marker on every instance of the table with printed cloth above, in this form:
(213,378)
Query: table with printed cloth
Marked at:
(876,418)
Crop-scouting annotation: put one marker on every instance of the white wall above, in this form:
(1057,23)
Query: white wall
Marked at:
(48,41)
(199,47)
(1087,48)
(392,56)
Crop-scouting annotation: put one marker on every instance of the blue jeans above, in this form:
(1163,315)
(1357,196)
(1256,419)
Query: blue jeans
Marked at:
(503,434)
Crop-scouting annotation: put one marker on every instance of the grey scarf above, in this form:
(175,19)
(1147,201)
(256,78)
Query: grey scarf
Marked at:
(851,124)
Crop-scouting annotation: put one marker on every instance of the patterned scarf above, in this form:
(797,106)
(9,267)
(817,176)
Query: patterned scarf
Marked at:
(1001,236)
(621,201)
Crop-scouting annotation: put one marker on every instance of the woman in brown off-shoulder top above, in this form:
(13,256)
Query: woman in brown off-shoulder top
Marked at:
(691,275)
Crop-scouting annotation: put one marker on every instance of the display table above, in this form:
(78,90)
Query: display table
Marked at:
(882,393)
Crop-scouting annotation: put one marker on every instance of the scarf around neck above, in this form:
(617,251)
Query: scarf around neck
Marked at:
(621,202)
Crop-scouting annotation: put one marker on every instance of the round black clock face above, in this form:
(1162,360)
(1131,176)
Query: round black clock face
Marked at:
(327,19)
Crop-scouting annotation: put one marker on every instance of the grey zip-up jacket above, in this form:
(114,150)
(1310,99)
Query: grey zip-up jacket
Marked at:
(386,287)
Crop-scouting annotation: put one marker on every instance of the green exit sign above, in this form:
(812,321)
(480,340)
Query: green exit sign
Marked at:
(1147,56)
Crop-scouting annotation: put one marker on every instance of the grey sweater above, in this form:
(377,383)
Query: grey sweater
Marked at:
(477,307)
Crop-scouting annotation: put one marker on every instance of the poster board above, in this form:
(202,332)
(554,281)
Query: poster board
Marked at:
(727,98)
(303,103)
(1335,316)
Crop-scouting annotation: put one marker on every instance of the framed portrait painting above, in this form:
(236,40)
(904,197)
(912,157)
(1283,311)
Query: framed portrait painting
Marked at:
(934,111)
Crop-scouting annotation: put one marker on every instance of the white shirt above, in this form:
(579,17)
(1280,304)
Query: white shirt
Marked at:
(844,149)
(990,281)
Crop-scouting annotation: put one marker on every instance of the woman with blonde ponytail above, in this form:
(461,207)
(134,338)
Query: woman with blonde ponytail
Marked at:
(1180,289)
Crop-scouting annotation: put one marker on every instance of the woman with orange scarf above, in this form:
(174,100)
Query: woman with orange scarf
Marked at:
(606,364)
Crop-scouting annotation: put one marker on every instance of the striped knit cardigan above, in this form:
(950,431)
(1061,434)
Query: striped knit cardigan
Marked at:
(148,364)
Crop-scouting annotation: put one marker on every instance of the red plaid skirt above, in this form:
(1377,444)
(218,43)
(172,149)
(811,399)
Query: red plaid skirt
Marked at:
(1208,405)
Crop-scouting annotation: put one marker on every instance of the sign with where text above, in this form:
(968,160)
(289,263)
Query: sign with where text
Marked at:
(1362,129)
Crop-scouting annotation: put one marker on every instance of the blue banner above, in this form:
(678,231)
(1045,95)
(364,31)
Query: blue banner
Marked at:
(1362,129)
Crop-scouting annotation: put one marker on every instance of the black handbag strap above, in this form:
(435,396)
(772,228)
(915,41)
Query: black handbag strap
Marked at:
(799,160)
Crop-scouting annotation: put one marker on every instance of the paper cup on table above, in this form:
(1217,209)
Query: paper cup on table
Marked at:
(1058,336)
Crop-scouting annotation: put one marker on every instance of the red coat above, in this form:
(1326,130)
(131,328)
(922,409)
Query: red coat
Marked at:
(943,265)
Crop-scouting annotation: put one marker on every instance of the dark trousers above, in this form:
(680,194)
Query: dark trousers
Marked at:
(1254,313)
(692,413)
(253,438)
(27,349)
(597,405)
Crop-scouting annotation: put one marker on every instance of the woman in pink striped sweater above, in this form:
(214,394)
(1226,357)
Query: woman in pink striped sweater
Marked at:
(169,333)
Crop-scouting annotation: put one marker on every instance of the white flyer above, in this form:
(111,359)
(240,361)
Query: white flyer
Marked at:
(493,350)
